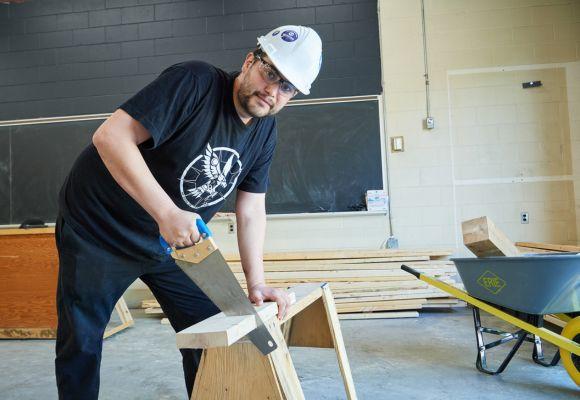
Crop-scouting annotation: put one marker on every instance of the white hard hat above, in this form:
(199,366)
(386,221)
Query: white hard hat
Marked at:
(296,51)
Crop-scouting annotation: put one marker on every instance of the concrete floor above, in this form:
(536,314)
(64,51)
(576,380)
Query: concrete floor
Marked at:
(431,357)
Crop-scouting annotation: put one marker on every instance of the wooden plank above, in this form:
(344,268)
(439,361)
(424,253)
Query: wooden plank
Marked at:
(380,306)
(351,287)
(532,250)
(221,330)
(484,239)
(283,267)
(152,303)
(555,320)
(154,310)
(338,275)
(321,263)
(394,291)
(552,247)
(338,342)
(380,315)
(410,296)
(284,282)
(342,254)
(218,331)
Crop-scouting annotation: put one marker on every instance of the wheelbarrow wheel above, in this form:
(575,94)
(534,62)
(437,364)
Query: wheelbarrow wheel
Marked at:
(571,361)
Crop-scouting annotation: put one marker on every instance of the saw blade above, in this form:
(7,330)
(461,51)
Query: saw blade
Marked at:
(215,278)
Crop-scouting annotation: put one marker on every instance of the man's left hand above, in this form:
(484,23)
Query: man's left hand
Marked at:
(260,293)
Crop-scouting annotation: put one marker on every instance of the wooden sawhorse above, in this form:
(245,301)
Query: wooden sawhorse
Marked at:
(233,368)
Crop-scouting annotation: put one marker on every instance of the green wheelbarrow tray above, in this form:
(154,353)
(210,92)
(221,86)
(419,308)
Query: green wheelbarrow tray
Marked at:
(534,284)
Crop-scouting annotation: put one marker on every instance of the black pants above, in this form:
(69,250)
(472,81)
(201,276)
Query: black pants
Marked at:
(90,282)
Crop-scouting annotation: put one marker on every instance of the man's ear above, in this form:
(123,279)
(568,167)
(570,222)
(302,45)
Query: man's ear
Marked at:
(248,61)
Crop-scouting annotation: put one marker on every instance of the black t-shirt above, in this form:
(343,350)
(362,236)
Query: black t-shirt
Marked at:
(199,152)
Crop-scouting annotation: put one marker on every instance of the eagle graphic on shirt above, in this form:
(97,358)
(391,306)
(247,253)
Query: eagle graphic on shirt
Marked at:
(210,177)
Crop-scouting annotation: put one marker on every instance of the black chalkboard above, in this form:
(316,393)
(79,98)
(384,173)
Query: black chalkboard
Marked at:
(327,157)
(40,157)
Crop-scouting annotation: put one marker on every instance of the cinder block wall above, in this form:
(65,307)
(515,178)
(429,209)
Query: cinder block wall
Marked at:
(490,133)
(69,57)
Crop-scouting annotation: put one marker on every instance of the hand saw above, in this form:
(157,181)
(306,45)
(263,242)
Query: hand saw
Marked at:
(204,264)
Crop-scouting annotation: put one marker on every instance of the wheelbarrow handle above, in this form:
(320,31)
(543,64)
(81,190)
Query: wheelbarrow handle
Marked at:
(411,271)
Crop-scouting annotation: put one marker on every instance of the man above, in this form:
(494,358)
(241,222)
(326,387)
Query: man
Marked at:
(167,156)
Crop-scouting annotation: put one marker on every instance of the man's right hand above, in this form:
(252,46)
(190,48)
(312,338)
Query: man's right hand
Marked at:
(178,228)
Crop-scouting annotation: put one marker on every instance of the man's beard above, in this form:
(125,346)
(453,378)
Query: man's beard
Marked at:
(245,94)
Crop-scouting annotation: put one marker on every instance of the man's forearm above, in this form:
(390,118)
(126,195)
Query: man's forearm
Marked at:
(251,234)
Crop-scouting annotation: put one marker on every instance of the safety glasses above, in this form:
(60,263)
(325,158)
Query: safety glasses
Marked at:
(271,76)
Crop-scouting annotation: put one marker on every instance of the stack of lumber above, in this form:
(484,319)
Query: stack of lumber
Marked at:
(365,283)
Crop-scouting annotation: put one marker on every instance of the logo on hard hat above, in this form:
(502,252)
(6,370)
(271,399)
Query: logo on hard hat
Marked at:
(289,36)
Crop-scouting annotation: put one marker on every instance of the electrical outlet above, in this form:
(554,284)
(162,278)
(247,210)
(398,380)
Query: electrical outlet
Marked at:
(525,217)
(231,228)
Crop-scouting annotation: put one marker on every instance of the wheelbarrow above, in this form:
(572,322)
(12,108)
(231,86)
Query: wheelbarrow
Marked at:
(521,290)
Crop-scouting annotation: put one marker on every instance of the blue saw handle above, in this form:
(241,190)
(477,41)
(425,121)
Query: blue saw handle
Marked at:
(201,227)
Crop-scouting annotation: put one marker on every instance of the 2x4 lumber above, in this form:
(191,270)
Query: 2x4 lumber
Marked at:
(284,267)
(409,296)
(380,315)
(532,250)
(221,330)
(484,239)
(392,292)
(300,263)
(367,274)
(342,254)
(552,247)
(555,320)
(380,306)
